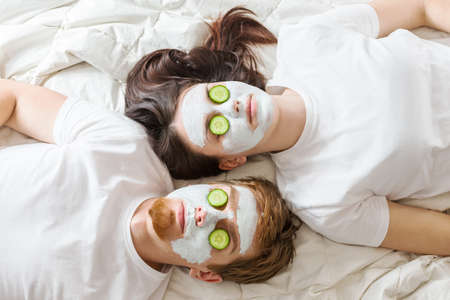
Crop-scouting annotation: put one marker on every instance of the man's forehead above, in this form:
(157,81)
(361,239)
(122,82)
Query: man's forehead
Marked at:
(247,217)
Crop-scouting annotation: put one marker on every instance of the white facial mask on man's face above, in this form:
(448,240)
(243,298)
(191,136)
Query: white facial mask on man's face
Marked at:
(247,217)
(194,246)
(240,137)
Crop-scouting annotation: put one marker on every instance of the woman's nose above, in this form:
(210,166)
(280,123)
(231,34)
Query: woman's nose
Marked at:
(200,216)
(236,106)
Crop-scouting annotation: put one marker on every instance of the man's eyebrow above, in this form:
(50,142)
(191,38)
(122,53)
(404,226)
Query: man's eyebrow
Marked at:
(232,231)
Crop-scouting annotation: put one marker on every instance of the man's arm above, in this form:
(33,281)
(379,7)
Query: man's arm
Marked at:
(417,230)
(410,14)
(29,109)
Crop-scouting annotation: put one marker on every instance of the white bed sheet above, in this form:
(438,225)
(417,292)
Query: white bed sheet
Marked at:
(87,47)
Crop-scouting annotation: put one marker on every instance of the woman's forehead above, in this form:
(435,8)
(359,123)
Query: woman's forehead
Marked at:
(186,91)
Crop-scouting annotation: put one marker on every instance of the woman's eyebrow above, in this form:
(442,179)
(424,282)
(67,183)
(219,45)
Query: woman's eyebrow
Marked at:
(208,119)
(208,132)
(207,91)
(207,127)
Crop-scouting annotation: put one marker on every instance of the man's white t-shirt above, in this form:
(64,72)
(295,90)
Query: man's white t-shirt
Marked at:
(65,210)
(377,122)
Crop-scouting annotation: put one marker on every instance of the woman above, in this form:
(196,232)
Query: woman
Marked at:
(351,121)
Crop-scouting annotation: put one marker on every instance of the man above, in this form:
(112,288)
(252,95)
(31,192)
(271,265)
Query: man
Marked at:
(82,217)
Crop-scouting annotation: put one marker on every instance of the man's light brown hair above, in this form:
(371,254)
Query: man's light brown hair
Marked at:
(276,231)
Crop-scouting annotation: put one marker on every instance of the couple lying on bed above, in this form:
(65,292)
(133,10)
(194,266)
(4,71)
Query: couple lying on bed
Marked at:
(352,123)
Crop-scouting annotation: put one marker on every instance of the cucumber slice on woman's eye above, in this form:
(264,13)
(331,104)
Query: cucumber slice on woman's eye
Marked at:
(219,239)
(219,94)
(217,198)
(219,125)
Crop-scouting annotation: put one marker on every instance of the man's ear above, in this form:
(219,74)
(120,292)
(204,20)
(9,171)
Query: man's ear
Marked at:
(228,164)
(207,276)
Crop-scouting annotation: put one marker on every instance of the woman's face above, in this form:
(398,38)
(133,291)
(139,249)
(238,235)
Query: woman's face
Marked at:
(248,110)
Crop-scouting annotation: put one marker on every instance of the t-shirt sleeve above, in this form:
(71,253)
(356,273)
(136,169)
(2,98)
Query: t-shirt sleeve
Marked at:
(306,49)
(363,223)
(360,18)
(79,120)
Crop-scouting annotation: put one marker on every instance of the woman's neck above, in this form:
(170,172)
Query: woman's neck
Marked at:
(289,122)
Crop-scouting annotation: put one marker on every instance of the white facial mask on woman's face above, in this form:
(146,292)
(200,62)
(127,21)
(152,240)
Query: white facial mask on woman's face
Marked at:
(194,246)
(240,137)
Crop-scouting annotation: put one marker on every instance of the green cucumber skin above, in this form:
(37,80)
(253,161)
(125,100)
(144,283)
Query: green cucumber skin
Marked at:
(212,94)
(222,245)
(223,198)
(216,119)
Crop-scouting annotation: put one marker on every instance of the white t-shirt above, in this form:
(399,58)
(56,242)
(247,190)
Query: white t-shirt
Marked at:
(377,122)
(65,210)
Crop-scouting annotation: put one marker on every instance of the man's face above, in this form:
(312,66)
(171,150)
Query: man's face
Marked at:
(184,220)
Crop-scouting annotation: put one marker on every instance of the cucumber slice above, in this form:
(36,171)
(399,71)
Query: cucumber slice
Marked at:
(219,94)
(217,198)
(219,239)
(219,125)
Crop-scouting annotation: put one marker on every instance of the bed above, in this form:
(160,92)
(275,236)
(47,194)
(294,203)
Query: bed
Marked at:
(86,48)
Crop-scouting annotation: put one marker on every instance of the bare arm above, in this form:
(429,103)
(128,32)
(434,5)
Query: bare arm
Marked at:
(410,14)
(417,230)
(437,14)
(29,109)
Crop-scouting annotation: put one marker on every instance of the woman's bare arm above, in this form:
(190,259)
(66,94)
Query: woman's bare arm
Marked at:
(437,14)
(410,14)
(417,230)
(29,109)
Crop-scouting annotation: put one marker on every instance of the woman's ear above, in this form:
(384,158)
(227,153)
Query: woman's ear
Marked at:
(207,276)
(228,164)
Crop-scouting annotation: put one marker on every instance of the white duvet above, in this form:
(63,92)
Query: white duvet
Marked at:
(86,48)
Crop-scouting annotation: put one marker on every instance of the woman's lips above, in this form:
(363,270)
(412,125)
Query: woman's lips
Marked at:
(248,109)
(251,110)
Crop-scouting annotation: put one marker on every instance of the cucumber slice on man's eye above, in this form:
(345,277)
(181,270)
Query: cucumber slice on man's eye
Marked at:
(219,125)
(217,198)
(219,94)
(219,239)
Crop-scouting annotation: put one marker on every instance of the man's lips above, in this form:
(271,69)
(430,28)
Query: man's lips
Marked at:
(180,216)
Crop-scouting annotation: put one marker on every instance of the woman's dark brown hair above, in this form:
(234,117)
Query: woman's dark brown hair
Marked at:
(156,81)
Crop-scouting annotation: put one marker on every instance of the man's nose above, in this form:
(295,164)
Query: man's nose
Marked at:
(200,216)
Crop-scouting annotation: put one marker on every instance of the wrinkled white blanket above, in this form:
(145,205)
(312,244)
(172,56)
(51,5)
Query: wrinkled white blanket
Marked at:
(86,48)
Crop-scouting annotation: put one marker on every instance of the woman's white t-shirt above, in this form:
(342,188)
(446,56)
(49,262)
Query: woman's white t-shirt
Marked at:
(377,122)
(65,210)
